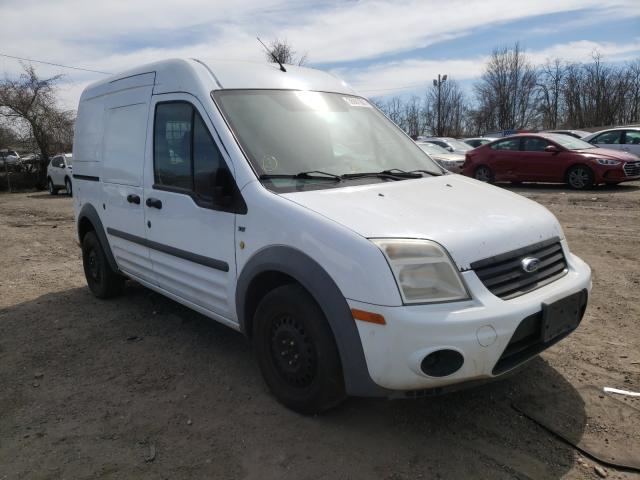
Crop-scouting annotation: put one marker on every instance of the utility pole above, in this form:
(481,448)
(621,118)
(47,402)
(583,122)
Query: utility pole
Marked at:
(438,83)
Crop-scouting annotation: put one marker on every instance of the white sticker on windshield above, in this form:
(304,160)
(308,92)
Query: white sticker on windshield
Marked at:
(356,102)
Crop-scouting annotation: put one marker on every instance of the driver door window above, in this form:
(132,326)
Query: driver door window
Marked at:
(608,138)
(186,159)
(534,144)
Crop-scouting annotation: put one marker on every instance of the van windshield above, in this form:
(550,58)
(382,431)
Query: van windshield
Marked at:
(287,132)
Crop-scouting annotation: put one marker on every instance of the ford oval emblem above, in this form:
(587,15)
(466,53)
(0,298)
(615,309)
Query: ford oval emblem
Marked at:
(530,264)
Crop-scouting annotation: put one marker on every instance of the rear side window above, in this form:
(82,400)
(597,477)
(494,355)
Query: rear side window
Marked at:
(608,138)
(532,144)
(511,144)
(185,157)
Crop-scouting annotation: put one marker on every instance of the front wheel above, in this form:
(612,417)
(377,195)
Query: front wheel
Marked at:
(484,174)
(103,281)
(580,177)
(296,351)
(51,188)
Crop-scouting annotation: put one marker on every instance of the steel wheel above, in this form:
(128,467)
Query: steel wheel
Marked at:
(296,350)
(93,265)
(293,352)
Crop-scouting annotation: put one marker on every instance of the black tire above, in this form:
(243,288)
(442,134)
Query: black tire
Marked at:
(102,280)
(516,183)
(68,186)
(52,189)
(296,351)
(580,177)
(484,174)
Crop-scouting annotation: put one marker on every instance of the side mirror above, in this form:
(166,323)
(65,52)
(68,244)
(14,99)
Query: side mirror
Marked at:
(450,149)
(551,149)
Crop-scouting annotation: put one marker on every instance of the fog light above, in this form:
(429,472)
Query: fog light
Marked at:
(441,363)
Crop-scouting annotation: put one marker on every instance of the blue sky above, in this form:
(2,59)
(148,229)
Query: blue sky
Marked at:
(382,47)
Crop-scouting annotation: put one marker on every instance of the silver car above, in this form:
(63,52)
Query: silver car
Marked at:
(451,161)
(448,143)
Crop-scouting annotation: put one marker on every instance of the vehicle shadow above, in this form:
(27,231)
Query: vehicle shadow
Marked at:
(40,195)
(91,384)
(559,187)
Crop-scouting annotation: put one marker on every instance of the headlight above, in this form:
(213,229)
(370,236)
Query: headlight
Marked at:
(607,161)
(423,271)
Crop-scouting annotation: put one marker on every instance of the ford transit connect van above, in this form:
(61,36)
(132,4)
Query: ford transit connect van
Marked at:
(284,205)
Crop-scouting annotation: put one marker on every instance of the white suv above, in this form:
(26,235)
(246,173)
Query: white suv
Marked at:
(284,205)
(59,174)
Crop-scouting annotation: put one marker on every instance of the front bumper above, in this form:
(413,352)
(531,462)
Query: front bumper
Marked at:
(479,329)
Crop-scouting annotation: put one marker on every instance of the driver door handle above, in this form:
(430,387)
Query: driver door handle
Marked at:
(133,198)
(154,203)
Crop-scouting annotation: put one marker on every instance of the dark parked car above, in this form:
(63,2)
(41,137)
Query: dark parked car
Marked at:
(549,157)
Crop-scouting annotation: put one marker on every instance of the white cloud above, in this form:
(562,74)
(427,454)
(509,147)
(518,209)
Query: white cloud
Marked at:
(118,34)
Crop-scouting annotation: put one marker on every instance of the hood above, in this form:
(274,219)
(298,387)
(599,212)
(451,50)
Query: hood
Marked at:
(609,153)
(471,219)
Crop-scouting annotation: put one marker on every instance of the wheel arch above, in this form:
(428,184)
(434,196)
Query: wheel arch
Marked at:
(89,220)
(278,265)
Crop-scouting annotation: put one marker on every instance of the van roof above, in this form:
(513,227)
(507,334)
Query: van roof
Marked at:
(190,74)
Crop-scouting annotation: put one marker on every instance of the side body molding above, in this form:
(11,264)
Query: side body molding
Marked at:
(89,212)
(321,286)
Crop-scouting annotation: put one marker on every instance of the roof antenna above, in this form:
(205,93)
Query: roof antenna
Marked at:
(282,69)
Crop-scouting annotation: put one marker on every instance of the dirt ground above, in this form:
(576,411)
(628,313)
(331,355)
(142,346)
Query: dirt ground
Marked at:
(141,387)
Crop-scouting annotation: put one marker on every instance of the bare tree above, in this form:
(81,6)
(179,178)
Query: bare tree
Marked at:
(550,79)
(284,53)
(506,91)
(632,102)
(30,102)
(453,109)
(414,123)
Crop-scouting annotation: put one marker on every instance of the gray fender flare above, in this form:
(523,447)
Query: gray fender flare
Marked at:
(324,290)
(89,212)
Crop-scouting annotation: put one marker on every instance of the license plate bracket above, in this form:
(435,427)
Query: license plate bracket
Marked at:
(561,316)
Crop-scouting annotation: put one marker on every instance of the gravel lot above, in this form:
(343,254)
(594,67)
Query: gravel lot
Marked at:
(140,387)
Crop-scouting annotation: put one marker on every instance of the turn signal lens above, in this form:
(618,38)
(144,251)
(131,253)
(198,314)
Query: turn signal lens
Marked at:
(368,316)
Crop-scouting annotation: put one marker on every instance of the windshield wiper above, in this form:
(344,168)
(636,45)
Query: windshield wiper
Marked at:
(433,174)
(394,174)
(304,175)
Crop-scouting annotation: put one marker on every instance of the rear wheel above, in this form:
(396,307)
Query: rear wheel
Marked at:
(580,177)
(484,174)
(103,281)
(52,189)
(68,186)
(296,351)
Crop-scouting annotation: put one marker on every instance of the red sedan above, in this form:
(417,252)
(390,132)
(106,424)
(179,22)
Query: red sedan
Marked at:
(548,157)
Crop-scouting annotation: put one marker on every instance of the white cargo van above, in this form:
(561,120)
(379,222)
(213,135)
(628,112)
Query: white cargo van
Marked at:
(287,207)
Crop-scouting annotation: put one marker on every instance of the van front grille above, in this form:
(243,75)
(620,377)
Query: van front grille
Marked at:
(632,169)
(505,277)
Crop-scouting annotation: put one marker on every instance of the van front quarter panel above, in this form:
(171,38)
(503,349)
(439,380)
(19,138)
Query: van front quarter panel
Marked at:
(288,264)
